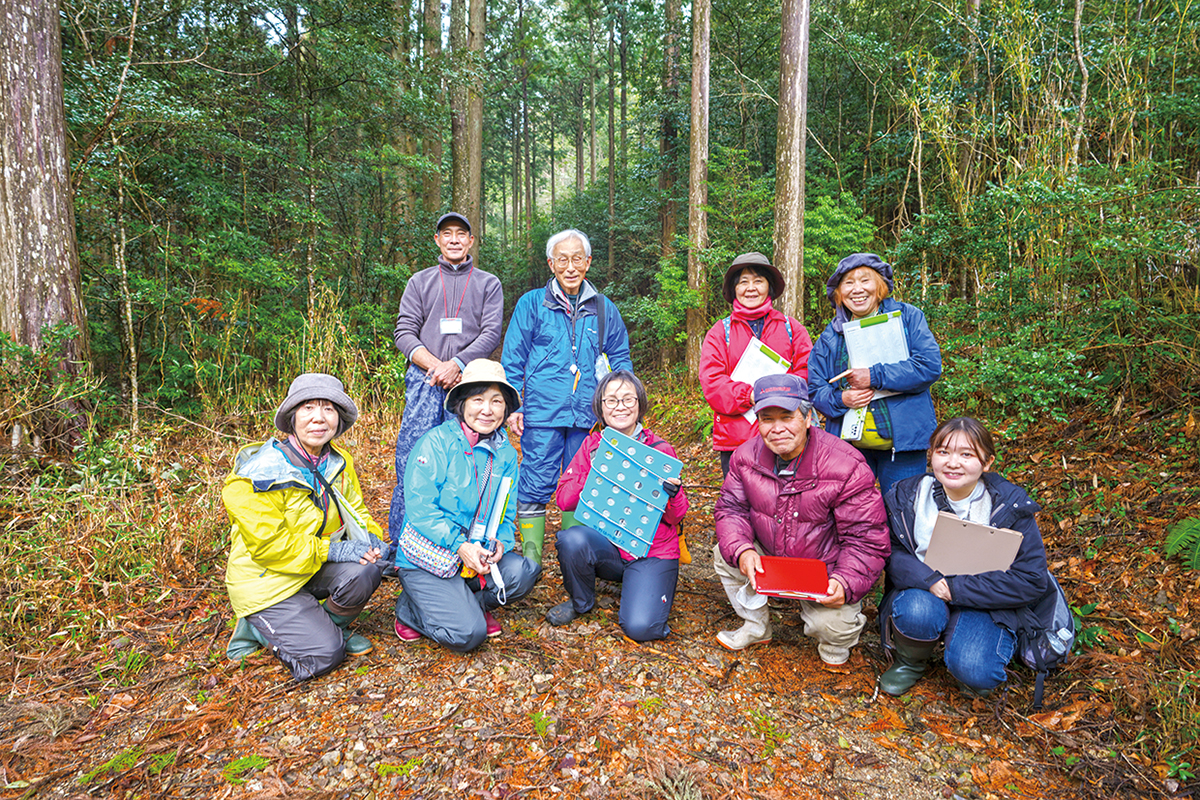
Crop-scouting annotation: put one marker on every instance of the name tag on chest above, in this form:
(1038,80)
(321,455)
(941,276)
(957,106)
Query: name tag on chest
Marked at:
(451,326)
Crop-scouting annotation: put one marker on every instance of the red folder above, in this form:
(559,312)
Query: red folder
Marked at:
(803,578)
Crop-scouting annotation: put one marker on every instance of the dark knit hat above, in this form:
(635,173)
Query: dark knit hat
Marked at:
(762,265)
(855,261)
(316,386)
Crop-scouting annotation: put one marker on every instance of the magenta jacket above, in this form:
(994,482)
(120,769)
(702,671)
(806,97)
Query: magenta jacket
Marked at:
(570,486)
(830,509)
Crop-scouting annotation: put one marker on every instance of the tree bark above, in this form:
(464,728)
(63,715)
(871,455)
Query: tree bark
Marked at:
(697,318)
(612,157)
(789,154)
(579,185)
(433,139)
(667,175)
(460,153)
(39,263)
(475,37)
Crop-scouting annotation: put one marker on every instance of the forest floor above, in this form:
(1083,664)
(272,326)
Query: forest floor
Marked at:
(582,711)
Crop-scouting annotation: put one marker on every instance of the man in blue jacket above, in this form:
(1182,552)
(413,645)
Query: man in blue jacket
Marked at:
(450,314)
(553,353)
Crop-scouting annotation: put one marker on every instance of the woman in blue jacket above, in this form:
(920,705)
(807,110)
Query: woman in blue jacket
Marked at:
(897,429)
(975,615)
(453,574)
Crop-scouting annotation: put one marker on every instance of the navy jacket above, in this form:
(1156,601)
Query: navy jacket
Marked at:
(1002,593)
(911,412)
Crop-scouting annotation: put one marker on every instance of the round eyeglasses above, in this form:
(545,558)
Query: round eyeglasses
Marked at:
(624,402)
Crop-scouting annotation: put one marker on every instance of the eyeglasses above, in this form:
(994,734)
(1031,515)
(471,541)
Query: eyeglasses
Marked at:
(575,261)
(624,402)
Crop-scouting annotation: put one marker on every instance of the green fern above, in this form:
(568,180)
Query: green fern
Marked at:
(1184,540)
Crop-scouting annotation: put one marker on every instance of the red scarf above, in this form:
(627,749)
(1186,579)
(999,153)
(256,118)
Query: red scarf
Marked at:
(743,314)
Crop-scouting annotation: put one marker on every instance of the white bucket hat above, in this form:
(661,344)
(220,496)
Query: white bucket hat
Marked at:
(484,371)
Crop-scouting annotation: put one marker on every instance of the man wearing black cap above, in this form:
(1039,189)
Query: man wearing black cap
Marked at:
(449,315)
(799,492)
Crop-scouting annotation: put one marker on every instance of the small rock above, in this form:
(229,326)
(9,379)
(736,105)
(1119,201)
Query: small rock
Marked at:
(332,758)
(290,742)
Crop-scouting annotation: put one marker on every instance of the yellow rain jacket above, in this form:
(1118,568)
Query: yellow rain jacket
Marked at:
(281,534)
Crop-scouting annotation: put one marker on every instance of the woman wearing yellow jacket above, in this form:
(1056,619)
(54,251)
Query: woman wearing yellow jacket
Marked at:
(306,555)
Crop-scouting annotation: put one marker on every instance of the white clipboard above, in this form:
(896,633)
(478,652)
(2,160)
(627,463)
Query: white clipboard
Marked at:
(757,361)
(877,339)
(960,547)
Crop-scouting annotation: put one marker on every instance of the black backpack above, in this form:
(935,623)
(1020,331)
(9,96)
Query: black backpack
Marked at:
(1046,635)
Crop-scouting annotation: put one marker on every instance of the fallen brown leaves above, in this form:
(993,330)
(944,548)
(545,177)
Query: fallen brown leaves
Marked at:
(582,711)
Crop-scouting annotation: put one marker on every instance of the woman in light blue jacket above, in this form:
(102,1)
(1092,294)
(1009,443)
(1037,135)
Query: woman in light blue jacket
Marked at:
(898,426)
(454,568)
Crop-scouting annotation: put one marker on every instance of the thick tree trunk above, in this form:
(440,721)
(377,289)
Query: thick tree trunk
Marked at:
(39,263)
(460,153)
(624,87)
(475,36)
(697,318)
(433,139)
(789,154)
(667,176)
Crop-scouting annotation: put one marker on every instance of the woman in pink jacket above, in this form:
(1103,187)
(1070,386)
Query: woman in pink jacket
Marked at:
(751,285)
(648,584)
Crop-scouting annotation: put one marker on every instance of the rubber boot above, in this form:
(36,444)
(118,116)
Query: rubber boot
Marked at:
(756,627)
(533,535)
(568,520)
(911,658)
(245,640)
(356,645)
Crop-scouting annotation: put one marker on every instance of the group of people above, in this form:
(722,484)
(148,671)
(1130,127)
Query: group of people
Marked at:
(467,520)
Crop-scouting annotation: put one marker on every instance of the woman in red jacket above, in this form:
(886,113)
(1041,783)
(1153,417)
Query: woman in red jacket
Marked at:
(647,584)
(751,285)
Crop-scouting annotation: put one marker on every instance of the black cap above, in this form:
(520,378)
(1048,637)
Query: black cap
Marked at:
(453,216)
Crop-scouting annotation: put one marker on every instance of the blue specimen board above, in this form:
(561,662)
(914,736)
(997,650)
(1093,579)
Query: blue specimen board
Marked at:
(623,497)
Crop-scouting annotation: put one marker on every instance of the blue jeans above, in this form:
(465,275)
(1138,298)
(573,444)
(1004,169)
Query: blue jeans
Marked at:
(647,584)
(545,455)
(977,649)
(423,411)
(891,467)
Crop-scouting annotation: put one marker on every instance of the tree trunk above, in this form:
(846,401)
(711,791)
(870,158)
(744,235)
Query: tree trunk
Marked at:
(592,92)
(612,157)
(697,317)
(1083,90)
(475,37)
(553,166)
(433,139)
(119,246)
(667,176)
(624,87)
(789,154)
(579,139)
(39,263)
(460,154)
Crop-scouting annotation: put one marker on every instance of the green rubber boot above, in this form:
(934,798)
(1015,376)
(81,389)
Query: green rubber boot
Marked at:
(911,659)
(568,520)
(356,645)
(245,641)
(533,535)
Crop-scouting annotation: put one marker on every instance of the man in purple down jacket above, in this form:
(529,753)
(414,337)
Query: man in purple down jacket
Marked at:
(797,491)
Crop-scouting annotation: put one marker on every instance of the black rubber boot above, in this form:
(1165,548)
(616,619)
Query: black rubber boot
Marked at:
(911,659)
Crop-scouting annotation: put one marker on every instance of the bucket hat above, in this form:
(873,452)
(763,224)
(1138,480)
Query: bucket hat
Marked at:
(761,264)
(484,371)
(316,386)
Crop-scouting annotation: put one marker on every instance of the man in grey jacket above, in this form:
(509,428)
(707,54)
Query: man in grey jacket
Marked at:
(449,315)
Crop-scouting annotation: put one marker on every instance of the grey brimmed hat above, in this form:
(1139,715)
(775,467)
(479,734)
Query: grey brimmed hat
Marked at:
(316,386)
(760,264)
(486,372)
(785,391)
(453,216)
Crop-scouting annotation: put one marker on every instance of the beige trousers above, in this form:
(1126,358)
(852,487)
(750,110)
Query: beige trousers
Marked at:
(835,629)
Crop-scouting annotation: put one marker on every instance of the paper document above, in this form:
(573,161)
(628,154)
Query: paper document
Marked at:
(757,362)
(874,340)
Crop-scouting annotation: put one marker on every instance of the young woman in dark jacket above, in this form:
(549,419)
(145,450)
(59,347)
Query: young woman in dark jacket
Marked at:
(975,615)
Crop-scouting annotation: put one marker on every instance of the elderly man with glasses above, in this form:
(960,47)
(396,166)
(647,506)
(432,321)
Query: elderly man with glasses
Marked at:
(561,340)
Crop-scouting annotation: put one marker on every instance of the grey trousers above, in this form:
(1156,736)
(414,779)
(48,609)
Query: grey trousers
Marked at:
(450,610)
(298,629)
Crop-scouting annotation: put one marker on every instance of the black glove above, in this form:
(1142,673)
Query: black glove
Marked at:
(671,489)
